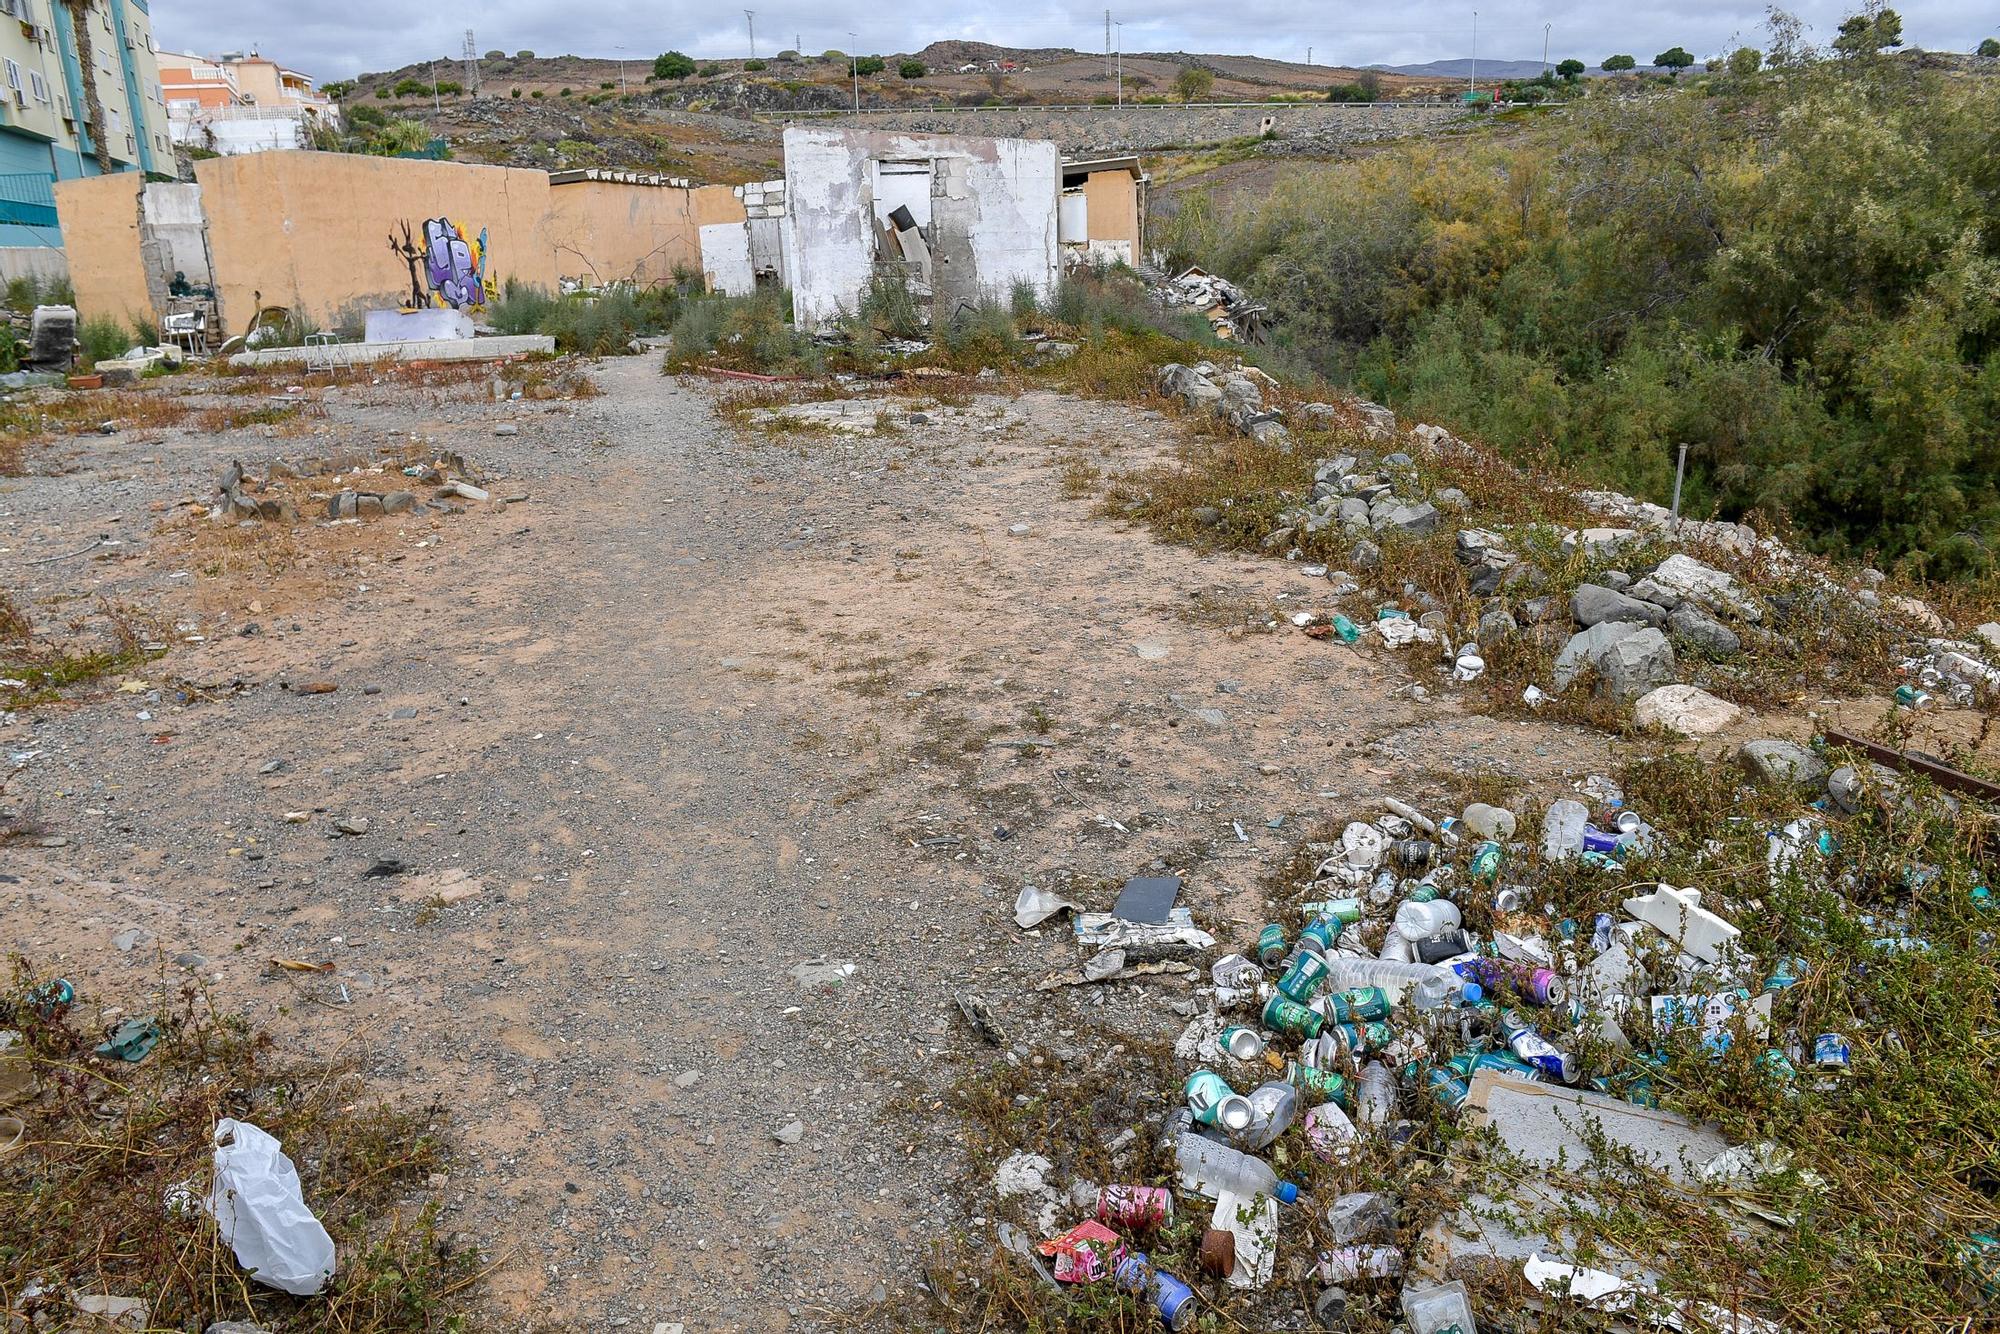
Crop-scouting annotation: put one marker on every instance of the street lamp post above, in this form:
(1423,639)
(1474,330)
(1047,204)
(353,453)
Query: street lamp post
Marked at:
(1472,80)
(621,67)
(854,66)
(1545,49)
(1121,63)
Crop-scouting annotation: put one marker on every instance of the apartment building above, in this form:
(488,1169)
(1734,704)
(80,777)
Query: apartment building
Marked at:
(237,103)
(80,95)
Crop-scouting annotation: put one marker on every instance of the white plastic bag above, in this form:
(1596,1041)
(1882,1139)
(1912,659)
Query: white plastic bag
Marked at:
(261,1211)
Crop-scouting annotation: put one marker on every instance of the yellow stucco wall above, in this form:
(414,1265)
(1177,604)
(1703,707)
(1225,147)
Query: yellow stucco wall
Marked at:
(100,226)
(1113,200)
(310,231)
(609,231)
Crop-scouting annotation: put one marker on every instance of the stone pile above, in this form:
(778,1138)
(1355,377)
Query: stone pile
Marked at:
(238,501)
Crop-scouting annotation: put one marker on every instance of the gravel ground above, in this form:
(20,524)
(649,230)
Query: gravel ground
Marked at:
(705,705)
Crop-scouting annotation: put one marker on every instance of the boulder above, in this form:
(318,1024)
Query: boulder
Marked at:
(1377,422)
(1690,579)
(1365,556)
(1636,664)
(1495,626)
(1598,541)
(1594,603)
(1584,648)
(1417,520)
(1688,710)
(1690,623)
(1782,763)
(1917,614)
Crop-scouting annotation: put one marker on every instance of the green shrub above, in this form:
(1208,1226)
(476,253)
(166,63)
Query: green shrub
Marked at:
(564,93)
(104,338)
(672,65)
(710,70)
(515,93)
(742,332)
(868,65)
(537,95)
(384,94)
(889,308)
(521,309)
(911,69)
(607,85)
(753,67)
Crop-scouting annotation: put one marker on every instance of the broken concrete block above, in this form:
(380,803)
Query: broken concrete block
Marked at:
(1635,664)
(1678,915)
(398,502)
(1782,762)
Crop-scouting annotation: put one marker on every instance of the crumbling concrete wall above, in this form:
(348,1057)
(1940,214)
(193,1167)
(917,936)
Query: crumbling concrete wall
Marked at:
(173,238)
(100,218)
(1112,198)
(992,216)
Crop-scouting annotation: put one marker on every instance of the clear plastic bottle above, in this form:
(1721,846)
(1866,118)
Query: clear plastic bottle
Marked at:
(1273,1104)
(1416,920)
(1428,985)
(1376,1102)
(1208,1167)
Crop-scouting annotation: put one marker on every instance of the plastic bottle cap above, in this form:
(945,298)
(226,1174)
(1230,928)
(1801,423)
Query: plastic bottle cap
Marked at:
(1473,993)
(1287,1192)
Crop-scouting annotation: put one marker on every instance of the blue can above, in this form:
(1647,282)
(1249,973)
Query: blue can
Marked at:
(1598,840)
(1830,1052)
(1173,1299)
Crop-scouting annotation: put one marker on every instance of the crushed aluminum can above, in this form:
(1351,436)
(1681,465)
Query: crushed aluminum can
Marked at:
(1271,945)
(1135,1206)
(1245,1044)
(1831,1052)
(1173,1299)
(1215,1103)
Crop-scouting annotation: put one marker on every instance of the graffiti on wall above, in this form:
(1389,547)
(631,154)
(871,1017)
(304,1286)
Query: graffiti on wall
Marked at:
(447,268)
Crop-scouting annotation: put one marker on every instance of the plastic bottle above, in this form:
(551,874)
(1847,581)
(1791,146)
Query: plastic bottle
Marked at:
(1273,1104)
(1377,1099)
(1207,1167)
(1415,920)
(1428,985)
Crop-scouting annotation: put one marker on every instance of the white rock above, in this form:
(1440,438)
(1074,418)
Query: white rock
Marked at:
(1688,710)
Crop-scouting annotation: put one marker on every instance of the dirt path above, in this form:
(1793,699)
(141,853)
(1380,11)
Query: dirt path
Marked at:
(707,705)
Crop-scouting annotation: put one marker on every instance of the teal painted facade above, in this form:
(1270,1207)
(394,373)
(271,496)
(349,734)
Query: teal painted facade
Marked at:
(134,97)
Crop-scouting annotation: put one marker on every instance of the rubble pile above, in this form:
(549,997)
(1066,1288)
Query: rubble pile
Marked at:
(1440,966)
(1228,308)
(238,498)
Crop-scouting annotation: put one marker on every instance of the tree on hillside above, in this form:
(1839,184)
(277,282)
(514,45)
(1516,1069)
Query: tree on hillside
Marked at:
(1193,83)
(1675,58)
(1745,61)
(672,65)
(1990,47)
(1571,70)
(1619,64)
(868,65)
(1870,31)
(911,69)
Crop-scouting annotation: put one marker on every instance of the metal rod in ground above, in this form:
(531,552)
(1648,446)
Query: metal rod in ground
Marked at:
(1942,774)
(1680,471)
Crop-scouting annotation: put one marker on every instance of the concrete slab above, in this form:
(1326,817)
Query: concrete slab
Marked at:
(429,349)
(409,326)
(1545,1123)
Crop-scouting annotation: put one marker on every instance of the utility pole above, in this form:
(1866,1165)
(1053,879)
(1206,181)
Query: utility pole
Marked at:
(437,101)
(854,65)
(1309,55)
(1121,64)
(1107,41)
(1545,49)
(1472,81)
(750,18)
(621,67)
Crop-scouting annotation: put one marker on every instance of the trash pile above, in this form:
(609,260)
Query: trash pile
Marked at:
(1427,970)
(1230,312)
(238,499)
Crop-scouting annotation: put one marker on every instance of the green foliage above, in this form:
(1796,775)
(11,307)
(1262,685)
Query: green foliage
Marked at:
(537,95)
(515,94)
(911,69)
(384,94)
(1745,61)
(1674,58)
(399,136)
(366,117)
(524,55)
(709,71)
(103,338)
(1870,31)
(1365,88)
(1572,69)
(868,65)
(1193,84)
(1619,64)
(564,93)
(753,67)
(742,332)
(888,308)
(1990,47)
(1799,278)
(607,84)
(196,153)
(338,89)
(672,65)
(831,54)
(496,55)
(787,57)
(449,88)
(413,88)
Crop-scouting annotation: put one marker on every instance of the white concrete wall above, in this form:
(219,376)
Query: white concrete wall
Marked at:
(993,216)
(33,261)
(176,228)
(725,258)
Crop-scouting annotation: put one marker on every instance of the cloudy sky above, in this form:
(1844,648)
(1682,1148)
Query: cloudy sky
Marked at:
(336,40)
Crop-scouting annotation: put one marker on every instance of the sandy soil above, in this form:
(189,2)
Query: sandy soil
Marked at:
(706,704)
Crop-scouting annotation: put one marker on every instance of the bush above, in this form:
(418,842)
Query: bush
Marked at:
(521,309)
(496,55)
(888,308)
(524,55)
(413,88)
(515,93)
(564,93)
(744,333)
(1990,47)
(103,338)
(384,94)
(787,57)
(869,65)
(672,65)
(753,67)
(449,88)
(607,85)
(1193,84)
(537,95)
(911,69)
(710,70)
